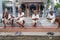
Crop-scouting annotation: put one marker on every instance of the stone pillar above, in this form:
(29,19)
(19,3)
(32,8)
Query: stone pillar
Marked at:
(14,7)
(1,9)
(52,5)
(39,7)
(44,11)
(27,10)
(39,10)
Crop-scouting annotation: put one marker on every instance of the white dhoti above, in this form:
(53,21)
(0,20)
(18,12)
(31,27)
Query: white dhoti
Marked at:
(20,20)
(5,20)
(34,21)
(35,16)
(52,21)
(20,17)
(52,17)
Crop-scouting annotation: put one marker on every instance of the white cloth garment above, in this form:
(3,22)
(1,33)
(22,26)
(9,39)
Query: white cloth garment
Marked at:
(6,20)
(51,17)
(20,17)
(35,16)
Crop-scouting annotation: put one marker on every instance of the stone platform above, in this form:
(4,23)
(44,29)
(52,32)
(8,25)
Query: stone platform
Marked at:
(42,26)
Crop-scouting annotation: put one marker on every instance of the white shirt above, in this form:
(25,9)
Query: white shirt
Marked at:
(51,16)
(20,16)
(9,16)
(35,16)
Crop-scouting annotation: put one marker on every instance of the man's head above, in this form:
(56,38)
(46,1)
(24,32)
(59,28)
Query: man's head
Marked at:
(20,10)
(35,11)
(51,12)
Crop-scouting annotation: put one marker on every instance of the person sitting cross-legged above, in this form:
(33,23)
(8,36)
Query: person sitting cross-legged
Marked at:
(51,17)
(35,18)
(20,18)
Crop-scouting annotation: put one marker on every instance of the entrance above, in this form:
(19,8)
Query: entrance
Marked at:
(30,6)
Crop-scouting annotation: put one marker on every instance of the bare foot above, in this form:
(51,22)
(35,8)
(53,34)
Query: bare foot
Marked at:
(34,25)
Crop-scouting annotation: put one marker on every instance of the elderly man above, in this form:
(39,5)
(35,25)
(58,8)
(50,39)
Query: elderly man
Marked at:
(20,18)
(51,17)
(6,18)
(35,17)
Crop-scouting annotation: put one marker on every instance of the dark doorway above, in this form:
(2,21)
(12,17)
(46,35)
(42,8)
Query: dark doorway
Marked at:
(32,7)
(10,10)
(23,7)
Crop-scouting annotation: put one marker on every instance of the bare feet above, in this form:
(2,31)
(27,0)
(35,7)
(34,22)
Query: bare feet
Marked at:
(34,25)
(4,27)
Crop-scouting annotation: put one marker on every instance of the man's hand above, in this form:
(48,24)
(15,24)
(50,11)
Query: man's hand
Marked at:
(35,19)
(12,16)
(49,18)
(9,18)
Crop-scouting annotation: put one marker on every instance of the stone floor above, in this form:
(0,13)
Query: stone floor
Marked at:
(29,37)
(17,29)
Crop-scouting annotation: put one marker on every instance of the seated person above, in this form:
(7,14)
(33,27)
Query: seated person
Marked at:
(6,17)
(58,21)
(35,17)
(20,18)
(51,17)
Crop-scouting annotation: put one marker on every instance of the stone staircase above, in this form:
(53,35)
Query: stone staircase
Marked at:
(41,22)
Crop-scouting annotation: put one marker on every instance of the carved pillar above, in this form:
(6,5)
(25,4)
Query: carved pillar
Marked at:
(39,7)
(27,10)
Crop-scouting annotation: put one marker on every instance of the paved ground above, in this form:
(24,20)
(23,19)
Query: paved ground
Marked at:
(29,29)
(29,37)
(29,33)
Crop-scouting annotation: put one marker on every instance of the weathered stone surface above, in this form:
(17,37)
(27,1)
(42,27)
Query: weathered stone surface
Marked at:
(28,37)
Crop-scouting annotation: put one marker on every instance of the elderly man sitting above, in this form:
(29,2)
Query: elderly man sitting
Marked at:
(51,17)
(6,18)
(20,19)
(35,18)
